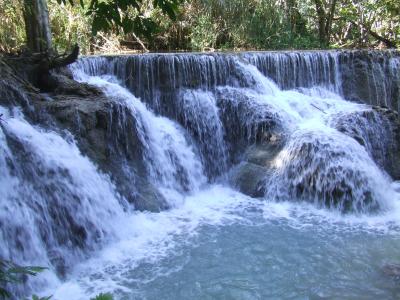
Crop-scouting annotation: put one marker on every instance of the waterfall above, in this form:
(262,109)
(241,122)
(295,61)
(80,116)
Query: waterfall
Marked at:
(173,127)
(168,154)
(295,96)
(315,167)
(55,205)
(364,76)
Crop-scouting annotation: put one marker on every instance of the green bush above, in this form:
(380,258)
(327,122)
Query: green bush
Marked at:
(13,273)
(103,297)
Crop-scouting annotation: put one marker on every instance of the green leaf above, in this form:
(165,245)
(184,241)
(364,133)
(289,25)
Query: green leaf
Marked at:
(99,24)
(30,270)
(4,294)
(11,273)
(102,296)
(35,297)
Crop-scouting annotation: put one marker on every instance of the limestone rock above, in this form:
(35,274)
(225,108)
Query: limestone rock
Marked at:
(251,175)
(378,130)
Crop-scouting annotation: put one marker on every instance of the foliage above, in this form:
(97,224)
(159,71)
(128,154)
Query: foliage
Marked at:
(170,25)
(247,24)
(103,297)
(204,33)
(113,15)
(12,33)
(34,297)
(69,26)
(13,273)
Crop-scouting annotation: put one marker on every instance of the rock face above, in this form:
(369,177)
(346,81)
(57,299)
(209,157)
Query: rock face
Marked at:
(314,170)
(252,174)
(107,132)
(371,77)
(104,130)
(11,86)
(378,131)
(392,270)
(315,167)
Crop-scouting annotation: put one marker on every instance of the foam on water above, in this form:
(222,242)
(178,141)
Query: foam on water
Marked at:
(169,156)
(148,239)
(319,174)
(60,202)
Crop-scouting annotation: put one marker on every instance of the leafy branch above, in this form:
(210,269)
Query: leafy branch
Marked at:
(13,273)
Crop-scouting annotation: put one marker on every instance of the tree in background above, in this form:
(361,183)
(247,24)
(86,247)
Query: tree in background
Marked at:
(120,14)
(12,34)
(325,11)
(37,25)
(248,24)
(110,26)
(367,21)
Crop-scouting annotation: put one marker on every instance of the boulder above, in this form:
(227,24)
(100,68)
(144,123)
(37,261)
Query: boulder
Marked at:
(251,175)
(106,132)
(249,179)
(370,77)
(392,270)
(378,130)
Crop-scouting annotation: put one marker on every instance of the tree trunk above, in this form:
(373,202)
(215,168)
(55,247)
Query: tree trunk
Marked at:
(38,36)
(321,22)
(329,19)
(37,27)
(325,14)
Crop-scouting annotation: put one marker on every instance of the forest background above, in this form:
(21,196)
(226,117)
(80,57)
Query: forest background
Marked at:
(208,25)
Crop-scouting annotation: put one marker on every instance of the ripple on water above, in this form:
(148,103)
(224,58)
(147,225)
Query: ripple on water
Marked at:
(224,245)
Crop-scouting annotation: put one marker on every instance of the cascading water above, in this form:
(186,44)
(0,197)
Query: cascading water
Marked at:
(277,119)
(55,204)
(169,157)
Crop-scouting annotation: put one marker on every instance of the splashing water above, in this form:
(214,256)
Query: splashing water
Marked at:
(52,197)
(195,116)
(169,157)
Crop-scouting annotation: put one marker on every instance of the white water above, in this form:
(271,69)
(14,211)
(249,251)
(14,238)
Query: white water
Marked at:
(321,161)
(154,258)
(170,158)
(148,241)
(81,195)
(216,242)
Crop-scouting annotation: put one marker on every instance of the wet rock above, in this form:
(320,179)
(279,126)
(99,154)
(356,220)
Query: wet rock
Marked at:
(392,270)
(251,175)
(246,120)
(14,90)
(67,86)
(264,154)
(371,77)
(249,179)
(81,117)
(254,135)
(378,131)
(313,168)
(106,132)
(150,199)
